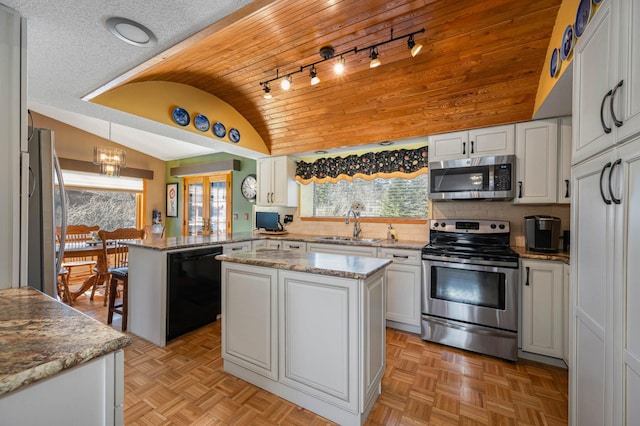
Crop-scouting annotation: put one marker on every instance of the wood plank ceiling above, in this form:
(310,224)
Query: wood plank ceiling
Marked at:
(480,66)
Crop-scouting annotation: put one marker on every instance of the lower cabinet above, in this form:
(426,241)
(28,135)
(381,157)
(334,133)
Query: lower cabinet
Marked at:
(240,246)
(404,283)
(565,313)
(542,308)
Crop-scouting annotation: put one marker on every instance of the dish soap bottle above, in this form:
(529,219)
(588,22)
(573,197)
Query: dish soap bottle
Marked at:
(391,233)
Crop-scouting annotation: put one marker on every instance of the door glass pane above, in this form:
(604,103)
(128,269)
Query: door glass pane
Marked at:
(195,223)
(218,208)
(478,288)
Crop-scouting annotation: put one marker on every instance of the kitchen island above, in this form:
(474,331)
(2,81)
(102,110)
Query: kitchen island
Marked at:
(69,366)
(308,327)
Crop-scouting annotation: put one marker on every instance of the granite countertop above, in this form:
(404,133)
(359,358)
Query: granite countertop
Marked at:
(40,337)
(357,267)
(176,243)
(528,254)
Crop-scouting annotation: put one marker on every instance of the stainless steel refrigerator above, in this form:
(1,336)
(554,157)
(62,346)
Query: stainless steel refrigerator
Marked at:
(47,209)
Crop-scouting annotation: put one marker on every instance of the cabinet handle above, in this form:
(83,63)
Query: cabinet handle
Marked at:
(472,147)
(613,198)
(566,192)
(604,100)
(464,148)
(527,280)
(294,247)
(236,248)
(397,256)
(604,198)
(617,122)
(519,189)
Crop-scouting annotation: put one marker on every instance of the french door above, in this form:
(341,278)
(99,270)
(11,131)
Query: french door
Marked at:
(207,205)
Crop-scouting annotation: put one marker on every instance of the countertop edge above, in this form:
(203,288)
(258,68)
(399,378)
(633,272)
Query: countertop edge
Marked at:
(555,257)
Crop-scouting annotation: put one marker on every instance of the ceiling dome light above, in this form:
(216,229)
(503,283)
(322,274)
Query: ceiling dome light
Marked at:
(413,46)
(131,32)
(267,91)
(285,84)
(314,76)
(375,62)
(338,68)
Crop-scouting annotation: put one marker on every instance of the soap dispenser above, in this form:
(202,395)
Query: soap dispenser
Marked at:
(391,233)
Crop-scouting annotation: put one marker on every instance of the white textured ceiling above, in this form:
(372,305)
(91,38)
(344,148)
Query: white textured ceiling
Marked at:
(71,53)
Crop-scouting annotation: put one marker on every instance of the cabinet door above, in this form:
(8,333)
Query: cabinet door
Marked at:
(233,247)
(565,314)
(593,76)
(591,333)
(536,162)
(264,178)
(564,161)
(627,106)
(448,146)
(492,141)
(403,293)
(542,319)
(250,318)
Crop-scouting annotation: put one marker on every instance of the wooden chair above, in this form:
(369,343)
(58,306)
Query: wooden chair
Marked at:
(78,235)
(62,286)
(116,255)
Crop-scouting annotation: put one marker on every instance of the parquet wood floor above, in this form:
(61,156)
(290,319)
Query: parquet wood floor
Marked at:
(424,384)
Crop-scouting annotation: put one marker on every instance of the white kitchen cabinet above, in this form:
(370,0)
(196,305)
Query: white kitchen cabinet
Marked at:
(564,160)
(12,141)
(286,245)
(606,89)
(566,269)
(249,318)
(239,246)
(542,303)
(259,244)
(404,283)
(347,250)
(536,161)
(497,140)
(276,182)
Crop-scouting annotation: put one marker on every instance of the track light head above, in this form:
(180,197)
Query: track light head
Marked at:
(375,62)
(267,91)
(314,75)
(338,68)
(285,83)
(413,46)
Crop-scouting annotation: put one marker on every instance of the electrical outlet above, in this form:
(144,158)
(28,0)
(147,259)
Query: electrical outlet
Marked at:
(288,218)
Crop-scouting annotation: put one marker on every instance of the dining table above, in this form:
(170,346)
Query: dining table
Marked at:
(100,271)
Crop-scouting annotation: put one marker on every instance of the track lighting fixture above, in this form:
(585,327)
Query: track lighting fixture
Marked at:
(314,76)
(373,55)
(338,68)
(413,46)
(328,52)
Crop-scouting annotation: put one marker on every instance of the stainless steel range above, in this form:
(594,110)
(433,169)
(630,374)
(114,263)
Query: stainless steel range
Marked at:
(470,287)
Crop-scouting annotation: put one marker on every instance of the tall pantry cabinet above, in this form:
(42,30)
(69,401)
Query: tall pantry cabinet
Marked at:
(12,123)
(604,381)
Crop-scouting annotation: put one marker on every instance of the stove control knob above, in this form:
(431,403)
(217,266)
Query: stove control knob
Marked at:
(443,224)
(435,225)
(493,226)
(501,226)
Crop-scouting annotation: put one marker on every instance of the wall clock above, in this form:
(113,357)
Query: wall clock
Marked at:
(249,187)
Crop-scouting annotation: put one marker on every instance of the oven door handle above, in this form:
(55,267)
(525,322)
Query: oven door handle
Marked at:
(458,326)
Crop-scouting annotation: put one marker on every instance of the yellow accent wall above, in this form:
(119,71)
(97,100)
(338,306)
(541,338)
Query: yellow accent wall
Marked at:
(566,15)
(155,100)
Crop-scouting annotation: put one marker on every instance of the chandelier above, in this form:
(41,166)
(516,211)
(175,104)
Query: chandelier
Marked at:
(110,160)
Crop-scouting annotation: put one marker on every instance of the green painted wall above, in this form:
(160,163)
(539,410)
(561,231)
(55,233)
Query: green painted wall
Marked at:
(240,206)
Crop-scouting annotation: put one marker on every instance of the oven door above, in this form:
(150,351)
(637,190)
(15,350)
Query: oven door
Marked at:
(476,294)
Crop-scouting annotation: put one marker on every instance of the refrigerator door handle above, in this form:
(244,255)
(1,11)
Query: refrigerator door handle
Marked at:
(63,211)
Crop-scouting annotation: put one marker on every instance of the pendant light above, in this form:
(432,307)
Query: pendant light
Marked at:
(110,159)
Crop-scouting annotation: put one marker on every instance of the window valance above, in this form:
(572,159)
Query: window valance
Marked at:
(401,163)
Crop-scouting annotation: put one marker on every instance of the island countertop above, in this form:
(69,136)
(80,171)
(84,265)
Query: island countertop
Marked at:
(357,267)
(40,337)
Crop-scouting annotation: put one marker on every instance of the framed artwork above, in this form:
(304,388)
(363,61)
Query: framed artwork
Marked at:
(172,199)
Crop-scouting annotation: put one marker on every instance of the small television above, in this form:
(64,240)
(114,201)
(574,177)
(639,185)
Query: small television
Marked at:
(269,221)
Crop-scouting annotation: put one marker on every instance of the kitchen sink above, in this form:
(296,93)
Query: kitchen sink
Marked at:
(347,239)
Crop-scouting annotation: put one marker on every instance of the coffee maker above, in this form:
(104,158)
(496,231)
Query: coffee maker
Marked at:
(542,233)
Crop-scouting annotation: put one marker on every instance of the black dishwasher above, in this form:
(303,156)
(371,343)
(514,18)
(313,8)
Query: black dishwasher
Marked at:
(193,290)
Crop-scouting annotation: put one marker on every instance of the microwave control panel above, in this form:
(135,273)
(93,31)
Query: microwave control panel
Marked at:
(502,177)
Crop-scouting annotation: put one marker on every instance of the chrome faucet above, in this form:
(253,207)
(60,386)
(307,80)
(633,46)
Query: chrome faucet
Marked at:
(356,224)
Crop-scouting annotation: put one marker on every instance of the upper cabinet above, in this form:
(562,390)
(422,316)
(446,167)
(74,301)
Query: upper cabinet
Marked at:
(606,93)
(276,182)
(536,161)
(473,143)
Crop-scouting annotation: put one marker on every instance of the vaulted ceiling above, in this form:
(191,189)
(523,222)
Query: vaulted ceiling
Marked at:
(480,66)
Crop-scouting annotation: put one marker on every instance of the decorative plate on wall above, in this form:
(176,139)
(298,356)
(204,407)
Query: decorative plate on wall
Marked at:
(582,17)
(567,43)
(181,116)
(554,64)
(201,122)
(219,130)
(234,135)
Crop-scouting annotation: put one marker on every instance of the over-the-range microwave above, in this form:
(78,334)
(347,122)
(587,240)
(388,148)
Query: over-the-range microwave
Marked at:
(479,178)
